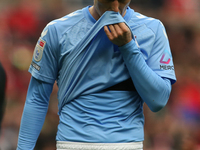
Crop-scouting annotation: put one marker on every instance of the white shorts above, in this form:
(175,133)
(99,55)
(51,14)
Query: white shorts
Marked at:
(61,145)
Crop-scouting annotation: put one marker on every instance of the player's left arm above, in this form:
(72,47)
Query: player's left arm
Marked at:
(153,89)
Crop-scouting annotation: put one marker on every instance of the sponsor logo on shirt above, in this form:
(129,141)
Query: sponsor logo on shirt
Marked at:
(166,57)
(165,60)
(166,67)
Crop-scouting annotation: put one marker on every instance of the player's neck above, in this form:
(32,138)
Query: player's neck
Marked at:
(93,12)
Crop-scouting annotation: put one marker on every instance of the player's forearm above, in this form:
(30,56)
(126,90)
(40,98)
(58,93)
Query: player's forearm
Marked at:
(153,89)
(33,115)
(31,125)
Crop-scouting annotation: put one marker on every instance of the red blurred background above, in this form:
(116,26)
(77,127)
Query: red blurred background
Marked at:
(176,127)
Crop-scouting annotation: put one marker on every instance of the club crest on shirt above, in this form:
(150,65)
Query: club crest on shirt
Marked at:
(39,50)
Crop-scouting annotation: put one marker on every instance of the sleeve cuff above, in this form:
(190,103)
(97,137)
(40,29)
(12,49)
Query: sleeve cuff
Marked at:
(128,48)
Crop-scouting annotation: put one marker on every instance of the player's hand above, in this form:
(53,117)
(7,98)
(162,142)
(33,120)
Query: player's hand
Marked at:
(119,34)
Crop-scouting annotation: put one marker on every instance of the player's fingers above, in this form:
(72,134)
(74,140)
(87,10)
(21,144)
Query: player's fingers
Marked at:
(106,30)
(113,31)
(124,27)
(118,30)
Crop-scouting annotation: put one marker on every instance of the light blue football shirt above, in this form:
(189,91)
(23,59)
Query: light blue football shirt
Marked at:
(87,113)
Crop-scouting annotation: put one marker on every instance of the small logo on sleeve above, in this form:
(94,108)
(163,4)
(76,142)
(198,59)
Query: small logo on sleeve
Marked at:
(39,50)
(37,67)
(165,60)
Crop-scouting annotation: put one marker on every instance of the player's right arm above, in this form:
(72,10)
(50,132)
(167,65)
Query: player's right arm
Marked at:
(34,113)
(44,69)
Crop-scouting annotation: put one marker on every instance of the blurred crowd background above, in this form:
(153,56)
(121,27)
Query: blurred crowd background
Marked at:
(176,127)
